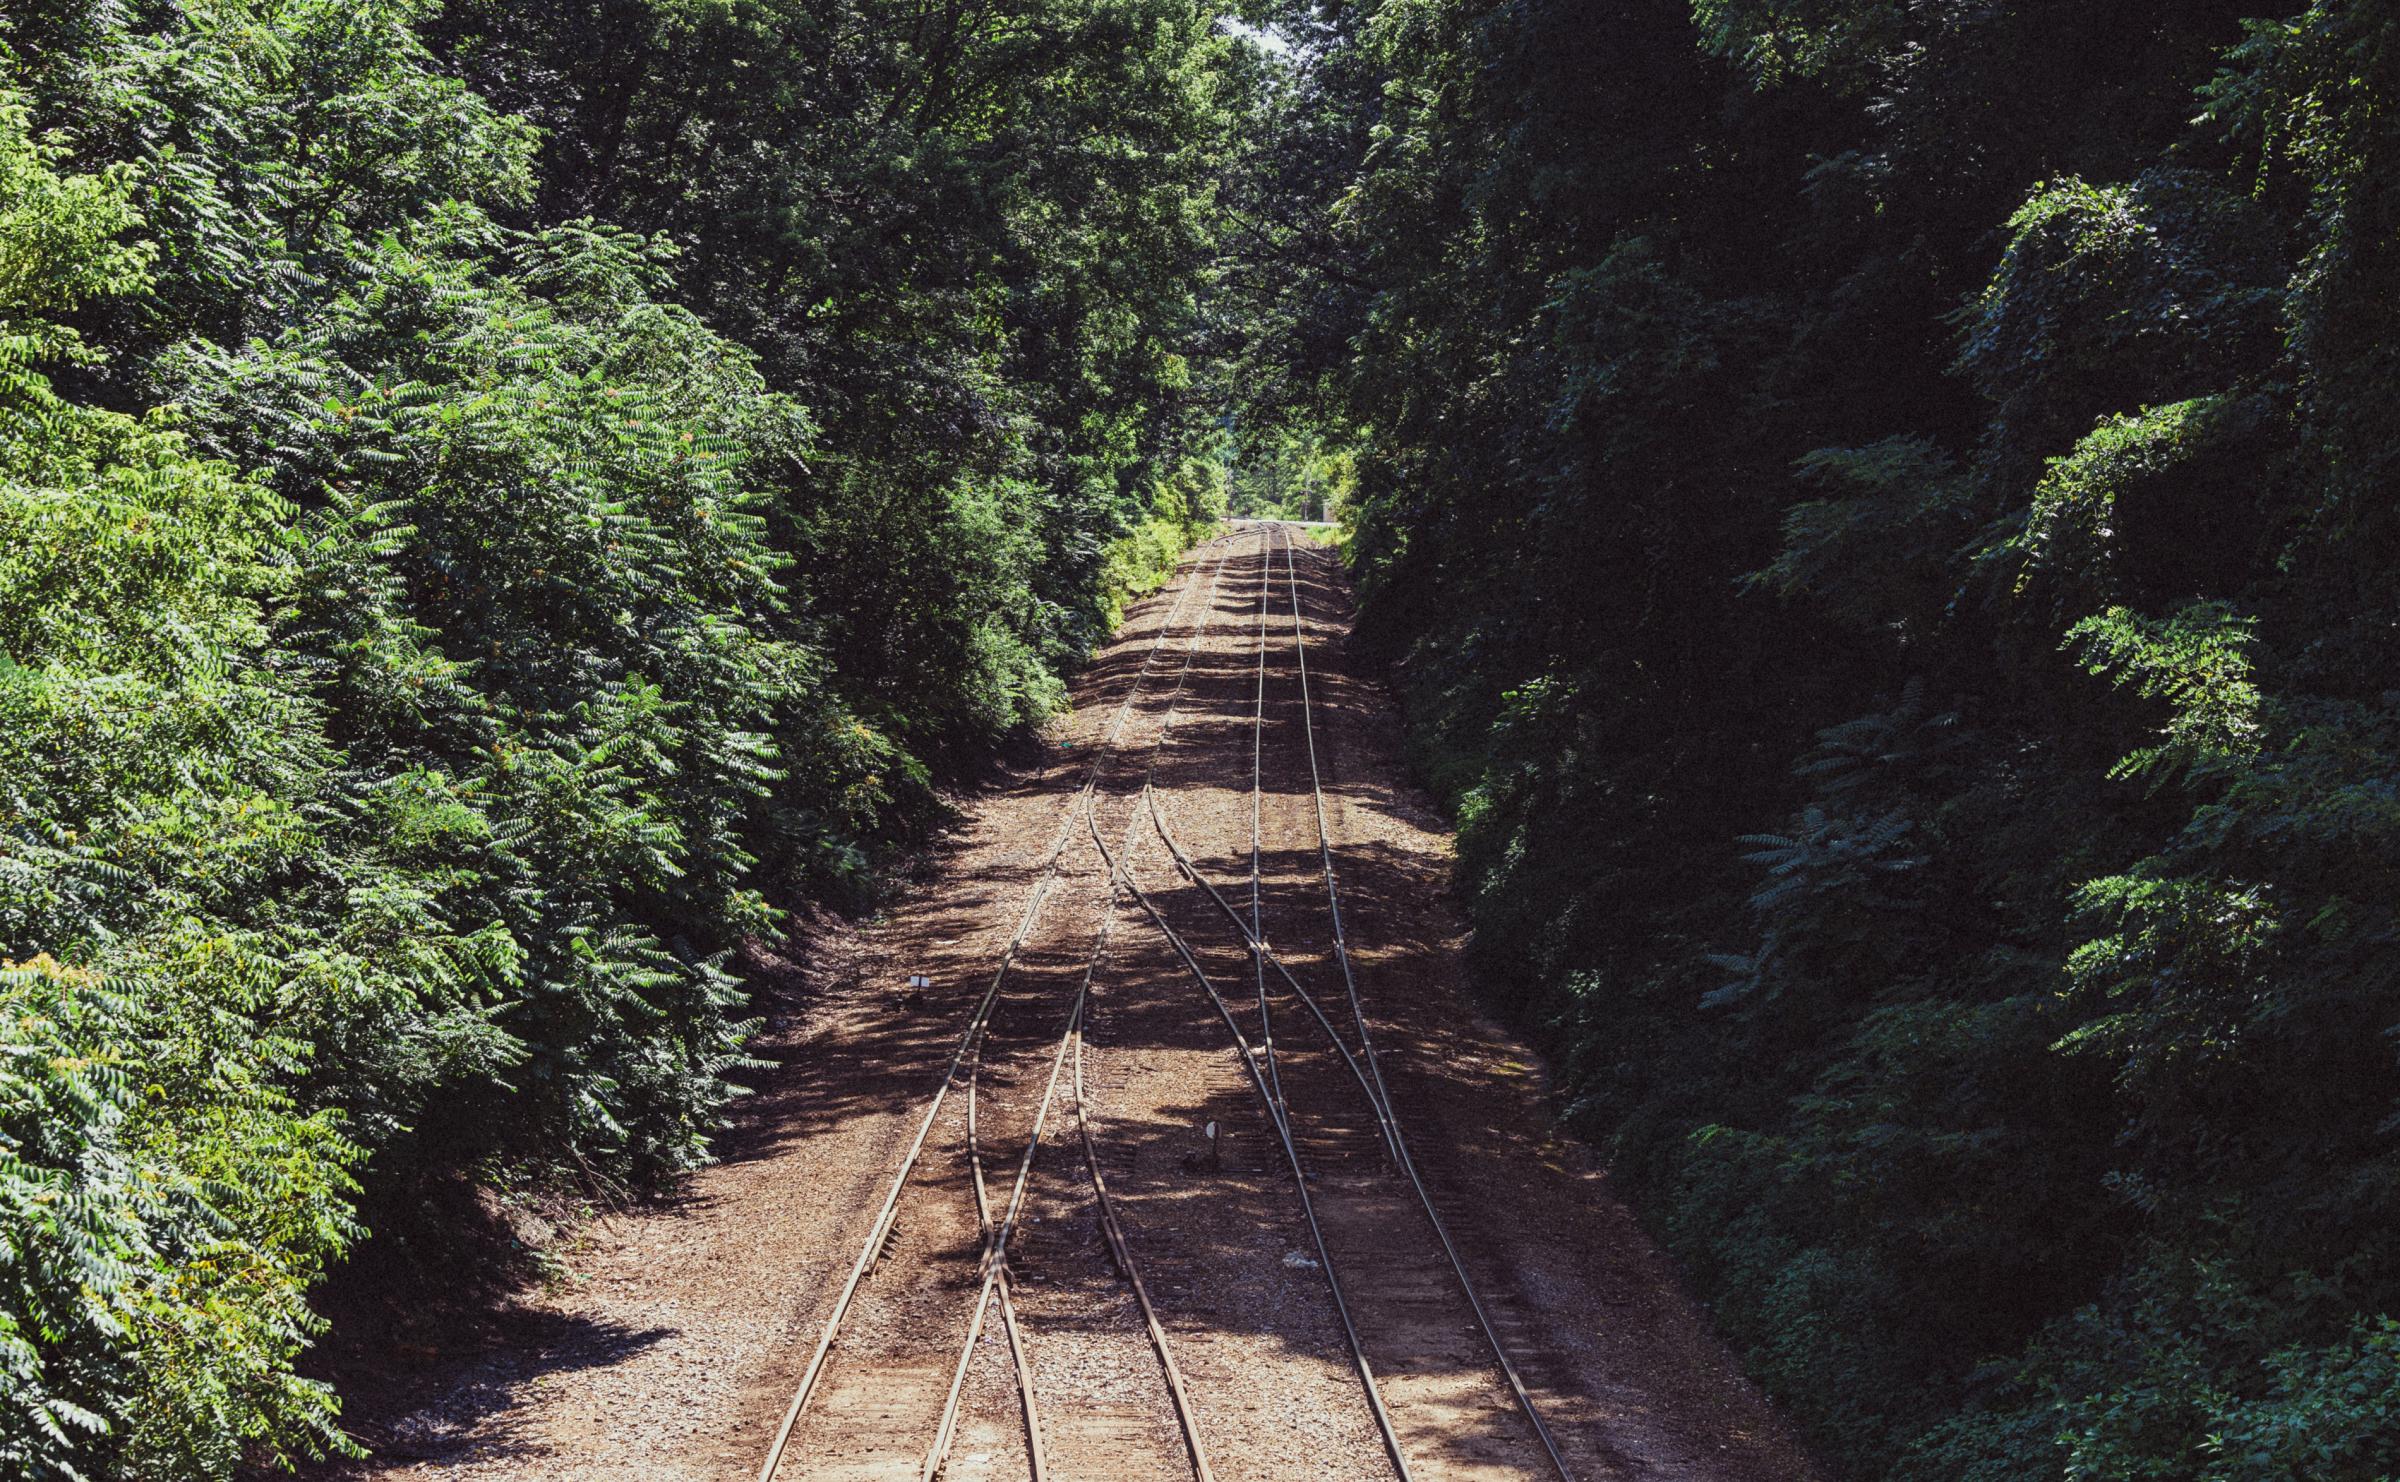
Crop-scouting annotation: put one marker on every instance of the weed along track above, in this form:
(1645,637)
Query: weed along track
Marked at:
(1192,1162)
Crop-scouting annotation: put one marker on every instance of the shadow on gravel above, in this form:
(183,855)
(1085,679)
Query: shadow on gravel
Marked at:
(470,1415)
(881,1059)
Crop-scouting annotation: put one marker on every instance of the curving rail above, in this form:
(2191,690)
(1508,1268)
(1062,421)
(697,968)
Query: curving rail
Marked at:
(970,1044)
(1369,1076)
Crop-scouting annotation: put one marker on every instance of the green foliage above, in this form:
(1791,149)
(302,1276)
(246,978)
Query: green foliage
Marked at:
(70,1231)
(168,1201)
(1290,473)
(2197,660)
(1881,519)
(2146,293)
(474,545)
(1185,508)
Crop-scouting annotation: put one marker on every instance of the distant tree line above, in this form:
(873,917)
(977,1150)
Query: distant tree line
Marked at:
(497,501)
(1886,517)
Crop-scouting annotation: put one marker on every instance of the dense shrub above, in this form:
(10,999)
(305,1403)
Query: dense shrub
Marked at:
(460,578)
(1884,523)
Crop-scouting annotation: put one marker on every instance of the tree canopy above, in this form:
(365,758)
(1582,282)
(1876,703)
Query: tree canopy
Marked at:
(1883,517)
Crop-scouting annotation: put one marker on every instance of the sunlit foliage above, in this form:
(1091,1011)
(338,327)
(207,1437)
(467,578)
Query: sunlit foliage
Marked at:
(495,505)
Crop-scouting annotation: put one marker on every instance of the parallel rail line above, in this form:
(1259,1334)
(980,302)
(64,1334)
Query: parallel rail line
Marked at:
(1366,1041)
(1368,1076)
(1266,1081)
(998,1237)
(970,1044)
(1112,1227)
(1279,1118)
(1259,1061)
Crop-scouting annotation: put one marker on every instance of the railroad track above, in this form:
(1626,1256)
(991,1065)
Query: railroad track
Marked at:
(1394,1138)
(1343,1135)
(884,1400)
(999,1233)
(1340,1143)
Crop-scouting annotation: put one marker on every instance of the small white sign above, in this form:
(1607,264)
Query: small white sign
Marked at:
(919,980)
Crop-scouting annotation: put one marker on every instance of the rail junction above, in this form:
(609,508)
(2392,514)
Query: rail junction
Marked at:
(1017,1224)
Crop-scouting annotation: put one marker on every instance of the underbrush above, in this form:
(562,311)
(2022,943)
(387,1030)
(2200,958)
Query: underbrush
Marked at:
(1904,612)
(440,629)
(1185,509)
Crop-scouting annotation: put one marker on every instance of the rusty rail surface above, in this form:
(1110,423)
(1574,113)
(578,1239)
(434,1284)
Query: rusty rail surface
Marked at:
(1370,1076)
(969,1044)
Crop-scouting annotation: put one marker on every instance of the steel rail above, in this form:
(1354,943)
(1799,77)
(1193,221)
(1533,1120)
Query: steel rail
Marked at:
(1371,1081)
(998,1238)
(880,1231)
(1273,1085)
(1111,1227)
(1190,871)
(1369,1077)
(995,1251)
(1258,738)
(1121,1249)
(1269,1084)
(1366,1041)
(1121,878)
(1035,1460)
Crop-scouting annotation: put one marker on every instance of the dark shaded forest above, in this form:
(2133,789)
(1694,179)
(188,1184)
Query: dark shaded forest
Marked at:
(1881,513)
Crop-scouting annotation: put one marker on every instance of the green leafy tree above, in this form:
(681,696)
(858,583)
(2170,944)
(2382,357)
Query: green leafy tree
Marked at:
(1902,441)
(490,519)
